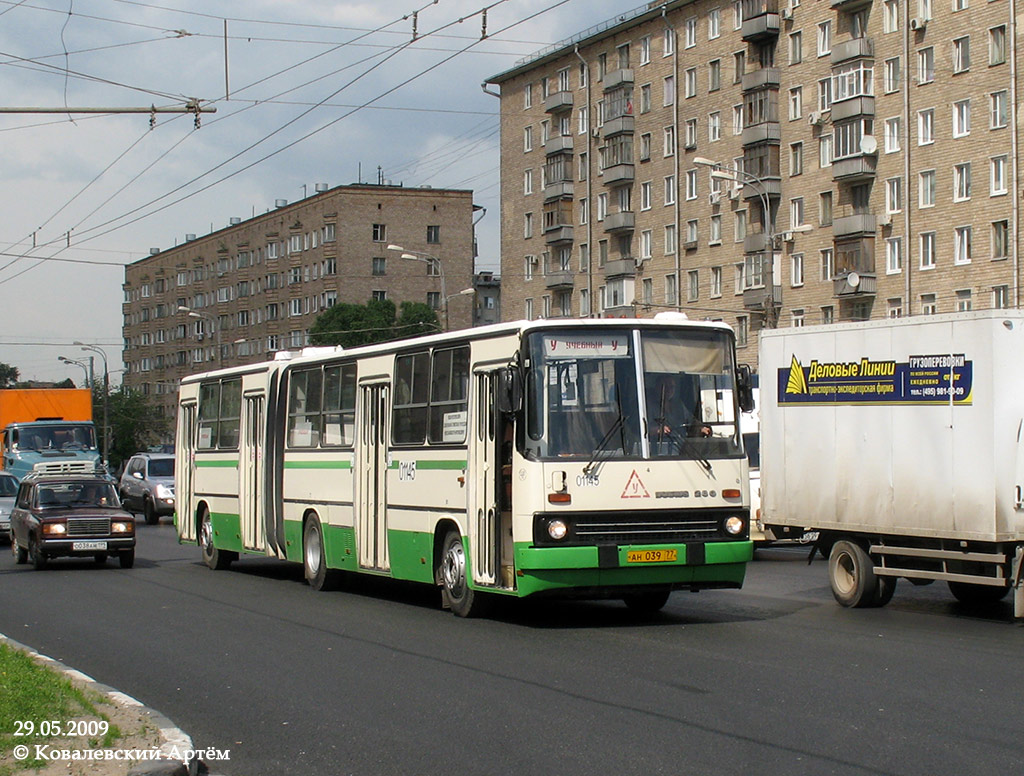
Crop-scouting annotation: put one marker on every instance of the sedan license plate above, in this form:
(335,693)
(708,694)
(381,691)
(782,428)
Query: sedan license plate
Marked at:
(88,546)
(652,556)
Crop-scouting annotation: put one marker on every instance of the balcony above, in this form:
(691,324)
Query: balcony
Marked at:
(618,173)
(857,224)
(756,242)
(558,102)
(620,268)
(620,222)
(756,298)
(765,132)
(853,108)
(618,126)
(772,186)
(849,5)
(555,235)
(559,279)
(617,78)
(854,284)
(857,48)
(765,77)
(854,168)
(558,144)
(558,190)
(765,25)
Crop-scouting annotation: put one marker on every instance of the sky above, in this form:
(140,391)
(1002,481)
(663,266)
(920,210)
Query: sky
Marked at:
(309,91)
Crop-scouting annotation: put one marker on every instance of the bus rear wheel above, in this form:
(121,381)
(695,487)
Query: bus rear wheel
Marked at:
(314,561)
(648,602)
(218,560)
(852,577)
(460,597)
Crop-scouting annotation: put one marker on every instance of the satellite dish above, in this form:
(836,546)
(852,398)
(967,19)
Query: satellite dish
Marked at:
(868,144)
(853,280)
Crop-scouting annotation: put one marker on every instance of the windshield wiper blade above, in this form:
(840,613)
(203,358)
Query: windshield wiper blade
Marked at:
(619,423)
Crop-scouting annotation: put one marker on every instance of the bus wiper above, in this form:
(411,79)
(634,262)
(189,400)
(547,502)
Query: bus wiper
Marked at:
(689,448)
(616,426)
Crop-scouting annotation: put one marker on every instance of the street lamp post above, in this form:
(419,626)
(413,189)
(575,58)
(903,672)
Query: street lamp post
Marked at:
(429,260)
(463,292)
(85,367)
(213,325)
(742,176)
(106,400)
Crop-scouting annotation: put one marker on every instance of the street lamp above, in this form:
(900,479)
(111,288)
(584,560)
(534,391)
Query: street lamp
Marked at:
(430,261)
(742,176)
(85,367)
(463,292)
(205,317)
(106,399)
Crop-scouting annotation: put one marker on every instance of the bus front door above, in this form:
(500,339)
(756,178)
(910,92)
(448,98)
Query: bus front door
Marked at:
(185,465)
(371,507)
(484,513)
(252,474)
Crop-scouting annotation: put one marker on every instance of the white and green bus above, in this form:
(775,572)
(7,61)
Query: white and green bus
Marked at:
(591,458)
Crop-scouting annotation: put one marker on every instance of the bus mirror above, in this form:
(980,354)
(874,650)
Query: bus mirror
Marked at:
(509,393)
(745,388)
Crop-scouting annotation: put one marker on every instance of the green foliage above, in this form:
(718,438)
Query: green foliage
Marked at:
(351,325)
(135,423)
(8,375)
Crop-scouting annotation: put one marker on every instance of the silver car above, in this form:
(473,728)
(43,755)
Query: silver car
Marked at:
(8,490)
(147,485)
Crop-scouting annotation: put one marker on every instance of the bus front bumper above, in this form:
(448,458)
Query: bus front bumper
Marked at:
(611,568)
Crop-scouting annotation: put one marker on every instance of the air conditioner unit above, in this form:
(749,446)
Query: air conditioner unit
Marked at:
(788,236)
(885,219)
(918,23)
(715,197)
(787,13)
(735,190)
(815,119)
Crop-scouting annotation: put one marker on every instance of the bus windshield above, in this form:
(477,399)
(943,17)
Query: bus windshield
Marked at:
(631,394)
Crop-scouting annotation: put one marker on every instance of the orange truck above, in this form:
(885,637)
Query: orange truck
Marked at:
(47,430)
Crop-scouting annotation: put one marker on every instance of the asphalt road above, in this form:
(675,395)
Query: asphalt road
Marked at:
(775,678)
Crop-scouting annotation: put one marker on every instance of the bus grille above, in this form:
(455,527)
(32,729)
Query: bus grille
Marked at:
(635,527)
(89,526)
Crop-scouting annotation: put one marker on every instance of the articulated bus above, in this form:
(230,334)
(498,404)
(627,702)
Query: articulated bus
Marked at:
(592,458)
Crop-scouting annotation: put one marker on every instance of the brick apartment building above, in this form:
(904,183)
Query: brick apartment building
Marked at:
(867,152)
(257,286)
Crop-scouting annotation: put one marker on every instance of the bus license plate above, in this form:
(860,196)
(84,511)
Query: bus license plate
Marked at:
(652,556)
(88,546)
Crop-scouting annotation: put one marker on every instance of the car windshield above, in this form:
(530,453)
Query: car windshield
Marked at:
(161,467)
(77,494)
(8,485)
(68,437)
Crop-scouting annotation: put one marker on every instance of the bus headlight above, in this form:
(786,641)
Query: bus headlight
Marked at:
(557,529)
(734,526)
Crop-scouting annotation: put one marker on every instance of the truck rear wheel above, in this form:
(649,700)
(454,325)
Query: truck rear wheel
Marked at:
(852,577)
(975,595)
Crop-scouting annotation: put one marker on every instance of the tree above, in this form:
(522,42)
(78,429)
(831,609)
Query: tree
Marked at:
(8,375)
(351,325)
(135,423)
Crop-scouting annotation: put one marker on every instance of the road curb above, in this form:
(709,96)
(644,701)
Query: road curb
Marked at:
(175,740)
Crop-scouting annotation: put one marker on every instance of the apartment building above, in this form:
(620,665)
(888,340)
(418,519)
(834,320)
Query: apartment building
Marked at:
(255,287)
(765,163)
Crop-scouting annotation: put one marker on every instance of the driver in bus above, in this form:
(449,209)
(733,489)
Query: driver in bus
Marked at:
(666,415)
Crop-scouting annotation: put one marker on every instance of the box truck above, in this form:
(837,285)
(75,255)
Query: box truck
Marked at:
(48,430)
(902,443)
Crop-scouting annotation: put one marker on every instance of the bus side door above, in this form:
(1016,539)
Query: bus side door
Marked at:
(484,515)
(374,415)
(252,462)
(185,468)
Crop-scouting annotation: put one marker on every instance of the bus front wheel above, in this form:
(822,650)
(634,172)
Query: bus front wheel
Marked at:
(852,577)
(314,561)
(460,597)
(218,560)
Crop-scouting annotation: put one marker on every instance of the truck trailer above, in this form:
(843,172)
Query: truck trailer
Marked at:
(47,430)
(902,443)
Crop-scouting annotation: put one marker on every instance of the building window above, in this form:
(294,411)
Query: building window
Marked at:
(890,16)
(740,226)
(670,290)
(927,250)
(999,112)
(716,282)
(828,314)
(893,129)
(714,126)
(527,225)
(824,38)
(668,45)
(1000,297)
(894,255)
(645,244)
(690,133)
(929,305)
(690,82)
(796,158)
(925,65)
(997,167)
(891,75)
(670,189)
(692,285)
(645,50)
(997,45)
(825,208)
(962,245)
(963,301)
(739,66)
(670,141)
(714,75)
(827,265)
(379,266)
(894,195)
(528,182)
(796,53)
(961,182)
(714,23)
(742,330)
(691,184)
(668,92)
(962,54)
(961,118)
(825,94)
(796,269)
(715,230)
(926,126)
(527,139)
(689,32)
(796,212)
(380,232)
(1000,239)
(797,319)
(825,151)
(926,188)
(796,103)
(670,239)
